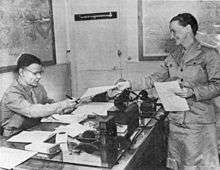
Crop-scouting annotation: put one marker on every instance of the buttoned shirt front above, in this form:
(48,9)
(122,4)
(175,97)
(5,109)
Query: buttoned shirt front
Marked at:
(198,68)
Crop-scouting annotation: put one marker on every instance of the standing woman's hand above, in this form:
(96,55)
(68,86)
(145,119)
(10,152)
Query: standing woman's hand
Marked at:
(185,92)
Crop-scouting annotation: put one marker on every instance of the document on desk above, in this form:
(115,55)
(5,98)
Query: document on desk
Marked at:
(93,108)
(90,92)
(97,108)
(10,158)
(31,136)
(73,129)
(67,118)
(170,101)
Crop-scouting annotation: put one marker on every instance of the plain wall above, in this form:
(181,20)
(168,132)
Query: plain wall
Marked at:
(94,45)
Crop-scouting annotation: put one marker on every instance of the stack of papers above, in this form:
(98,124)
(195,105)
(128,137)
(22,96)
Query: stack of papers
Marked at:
(42,147)
(97,108)
(68,118)
(10,158)
(93,108)
(31,136)
(73,129)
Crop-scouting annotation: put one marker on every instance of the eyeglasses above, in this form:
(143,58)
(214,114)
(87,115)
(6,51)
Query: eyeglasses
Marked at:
(35,73)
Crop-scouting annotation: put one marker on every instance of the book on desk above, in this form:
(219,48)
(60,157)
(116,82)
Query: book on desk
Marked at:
(44,149)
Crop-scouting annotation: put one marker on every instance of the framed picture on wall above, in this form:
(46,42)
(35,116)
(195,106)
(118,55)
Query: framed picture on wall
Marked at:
(26,26)
(153,24)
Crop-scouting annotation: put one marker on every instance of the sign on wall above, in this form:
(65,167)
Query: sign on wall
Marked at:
(26,26)
(95,16)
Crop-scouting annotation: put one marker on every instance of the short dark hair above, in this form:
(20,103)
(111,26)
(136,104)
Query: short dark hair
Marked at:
(26,60)
(186,19)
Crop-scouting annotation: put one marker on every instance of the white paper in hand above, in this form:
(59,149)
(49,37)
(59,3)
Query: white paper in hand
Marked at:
(170,101)
(96,90)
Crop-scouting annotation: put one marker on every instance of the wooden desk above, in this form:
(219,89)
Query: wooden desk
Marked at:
(145,149)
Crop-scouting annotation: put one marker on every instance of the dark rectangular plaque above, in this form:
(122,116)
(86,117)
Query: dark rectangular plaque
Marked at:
(95,16)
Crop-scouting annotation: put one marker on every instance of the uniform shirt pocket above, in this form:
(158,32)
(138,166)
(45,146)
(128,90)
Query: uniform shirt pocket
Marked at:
(196,72)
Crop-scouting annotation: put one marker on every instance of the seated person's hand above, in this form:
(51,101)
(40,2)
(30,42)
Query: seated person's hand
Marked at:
(68,110)
(85,100)
(69,104)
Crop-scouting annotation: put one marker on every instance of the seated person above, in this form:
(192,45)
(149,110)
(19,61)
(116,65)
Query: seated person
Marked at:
(25,102)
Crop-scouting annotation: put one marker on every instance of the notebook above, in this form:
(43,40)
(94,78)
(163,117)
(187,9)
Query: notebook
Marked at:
(31,136)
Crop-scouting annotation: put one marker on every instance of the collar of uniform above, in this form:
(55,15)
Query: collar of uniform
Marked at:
(192,52)
(24,86)
(177,54)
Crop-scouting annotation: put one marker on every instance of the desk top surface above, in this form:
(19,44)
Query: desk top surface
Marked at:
(58,163)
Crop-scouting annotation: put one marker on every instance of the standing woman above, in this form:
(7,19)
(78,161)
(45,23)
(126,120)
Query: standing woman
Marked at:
(25,102)
(192,142)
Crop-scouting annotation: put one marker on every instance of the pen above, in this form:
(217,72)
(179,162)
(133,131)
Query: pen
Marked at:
(69,97)
(54,118)
(95,113)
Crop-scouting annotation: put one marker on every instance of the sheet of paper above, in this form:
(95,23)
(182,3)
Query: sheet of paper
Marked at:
(90,92)
(31,136)
(68,118)
(170,101)
(94,108)
(10,158)
(99,108)
(73,129)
